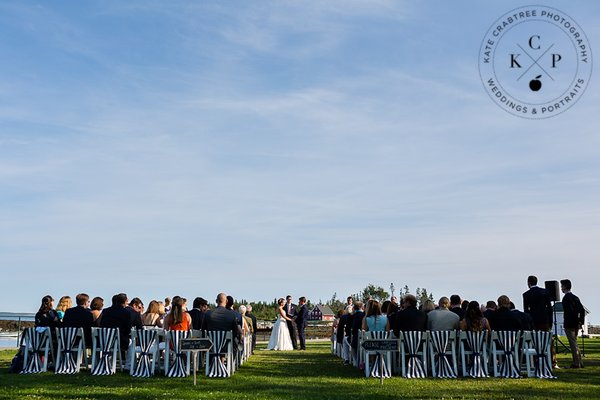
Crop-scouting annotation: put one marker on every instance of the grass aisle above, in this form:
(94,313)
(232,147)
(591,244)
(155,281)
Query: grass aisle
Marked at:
(313,374)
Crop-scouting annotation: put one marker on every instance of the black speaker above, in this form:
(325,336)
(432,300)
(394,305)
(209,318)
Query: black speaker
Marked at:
(553,289)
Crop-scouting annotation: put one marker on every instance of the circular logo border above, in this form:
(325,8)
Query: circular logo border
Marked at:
(510,102)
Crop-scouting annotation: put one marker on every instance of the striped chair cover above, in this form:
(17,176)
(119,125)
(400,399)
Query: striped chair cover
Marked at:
(105,350)
(71,350)
(215,367)
(38,343)
(142,365)
(505,344)
(381,361)
(443,354)
(477,363)
(177,368)
(542,340)
(413,347)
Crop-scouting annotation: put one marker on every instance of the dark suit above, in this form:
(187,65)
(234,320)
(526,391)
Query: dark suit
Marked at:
(197,318)
(504,319)
(410,319)
(458,311)
(80,317)
(254,328)
(290,311)
(223,319)
(536,303)
(122,318)
(357,319)
(524,320)
(301,322)
(341,328)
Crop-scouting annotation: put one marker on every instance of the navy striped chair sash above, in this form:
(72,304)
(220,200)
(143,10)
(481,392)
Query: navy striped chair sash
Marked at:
(68,360)
(380,361)
(440,341)
(541,341)
(477,366)
(216,367)
(415,367)
(106,340)
(37,341)
(177,369)
(509,365)
(147,341)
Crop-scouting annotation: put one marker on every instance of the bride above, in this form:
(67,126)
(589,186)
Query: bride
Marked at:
(280,335)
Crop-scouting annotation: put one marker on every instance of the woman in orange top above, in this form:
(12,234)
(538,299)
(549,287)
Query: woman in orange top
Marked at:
(178,319)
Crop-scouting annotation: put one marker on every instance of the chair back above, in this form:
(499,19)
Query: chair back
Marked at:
(71,350)
(38,345)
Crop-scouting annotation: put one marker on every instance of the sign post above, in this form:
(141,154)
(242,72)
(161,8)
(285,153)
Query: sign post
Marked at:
(195,346)
(380,346)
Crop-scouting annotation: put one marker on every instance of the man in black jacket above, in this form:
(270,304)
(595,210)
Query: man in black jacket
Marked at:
(198,313)
(574,318)
(80,316)
(118,315)
(410,318)
(503,319)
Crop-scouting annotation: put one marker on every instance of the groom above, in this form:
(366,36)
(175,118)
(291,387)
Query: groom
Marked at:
(302,321)
(290,311)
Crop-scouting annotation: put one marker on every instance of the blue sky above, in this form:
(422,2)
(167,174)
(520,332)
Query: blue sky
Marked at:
(267,148)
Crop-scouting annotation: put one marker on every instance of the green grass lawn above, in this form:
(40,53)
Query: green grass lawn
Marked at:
(314,374)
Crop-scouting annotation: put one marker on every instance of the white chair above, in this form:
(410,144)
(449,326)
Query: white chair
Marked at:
(413,352)
(219,359)
(38,345)
(473,353)
(106,350)
(538,355)
(442,351)
(71,350)
(504,352)
(179,367)
(144,352)
(381,362)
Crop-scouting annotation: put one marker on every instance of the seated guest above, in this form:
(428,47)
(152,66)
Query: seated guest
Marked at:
(96,307)
(247,328)
(341,328)
(46,315)
(136,308)
(357,320)
(456,306)
(198,312)
(64,304)
(178,319)
(153,316)
(385,306)
(254,324)
(442,319)
(503,319)
(525,320)
(80,316)
(490,307)
(410,318)
(427,306)
(474,320)
(223,319)
(119,316)
(374,320)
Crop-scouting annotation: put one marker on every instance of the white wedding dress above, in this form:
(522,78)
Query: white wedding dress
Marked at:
(280,336)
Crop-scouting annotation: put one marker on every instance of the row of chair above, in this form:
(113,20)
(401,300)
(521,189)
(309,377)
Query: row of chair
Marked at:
(146,348)
(439,353)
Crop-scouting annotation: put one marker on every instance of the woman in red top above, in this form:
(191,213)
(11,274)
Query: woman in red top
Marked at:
(178,319)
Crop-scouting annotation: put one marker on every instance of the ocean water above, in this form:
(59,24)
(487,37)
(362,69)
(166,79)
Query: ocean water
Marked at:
(8,342)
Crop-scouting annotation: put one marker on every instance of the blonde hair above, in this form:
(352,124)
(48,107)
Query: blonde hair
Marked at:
(64,303)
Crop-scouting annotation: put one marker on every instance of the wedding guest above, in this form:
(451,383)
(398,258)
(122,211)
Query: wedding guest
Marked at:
(385,306)
(410,318)
(46,315)
(490,307)
(455,306)
(167,304)
(118,316)
(427,306)
(574,318)
(223,319)
(152,316)
(246,321)
(503,319)
(442,319)
(357,320)
(254,325)
(525,320)
(474,319)
(64,304)
(96,307)
(198,312)
(136,308)
(374,320)
(178,319)
(80,316)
